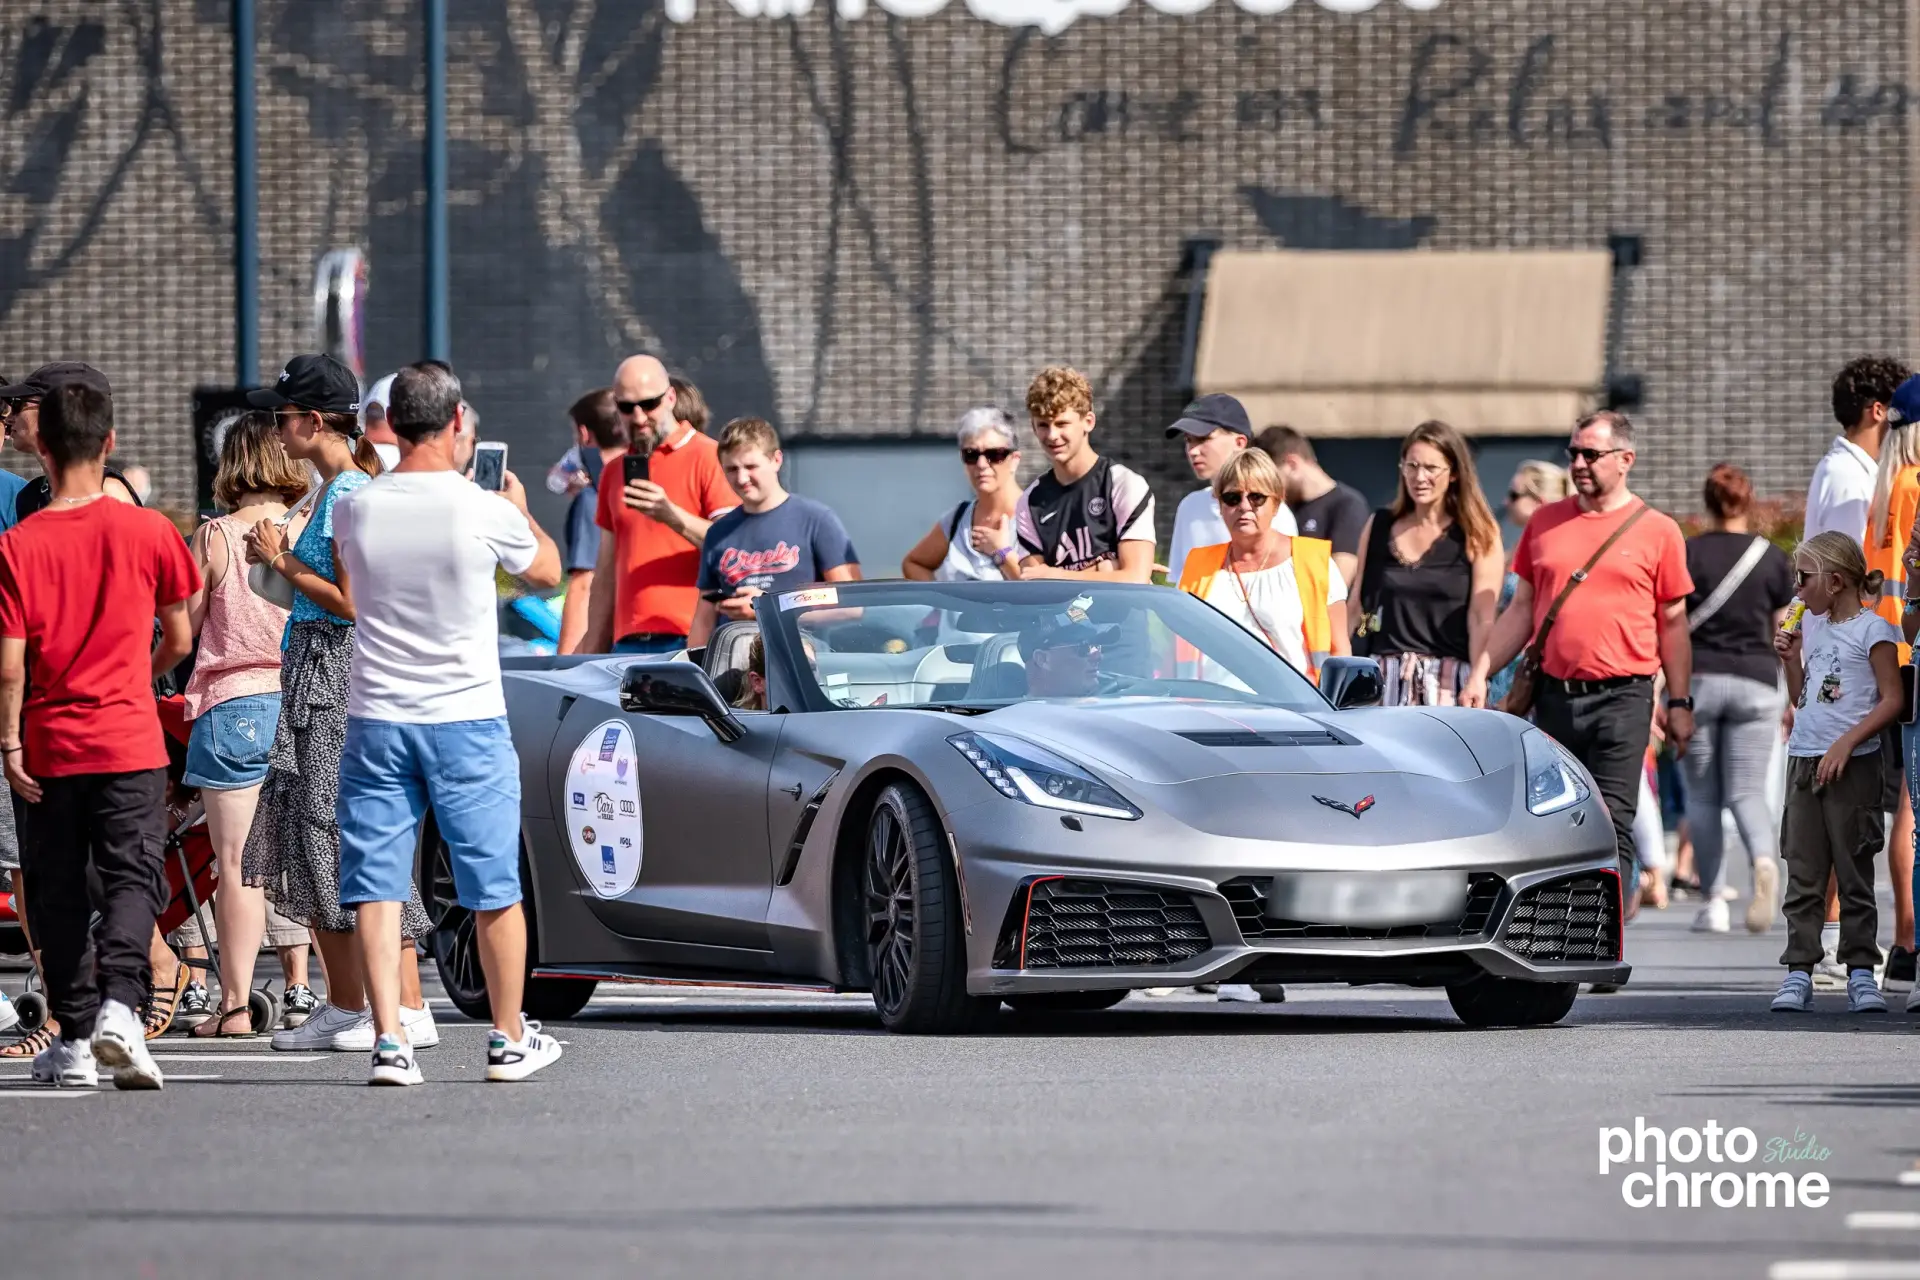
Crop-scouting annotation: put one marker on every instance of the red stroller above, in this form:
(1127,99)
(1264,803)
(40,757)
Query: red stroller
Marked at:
(192,876)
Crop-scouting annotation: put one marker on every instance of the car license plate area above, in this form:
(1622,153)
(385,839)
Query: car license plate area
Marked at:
(1378,900)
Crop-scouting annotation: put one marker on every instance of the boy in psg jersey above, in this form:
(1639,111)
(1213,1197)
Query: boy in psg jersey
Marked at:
(1087,517)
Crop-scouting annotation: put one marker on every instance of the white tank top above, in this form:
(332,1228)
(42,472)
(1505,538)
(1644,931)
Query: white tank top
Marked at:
(963,563)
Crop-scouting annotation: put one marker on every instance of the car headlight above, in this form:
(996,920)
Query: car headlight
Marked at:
(1555,779)
(1021,771)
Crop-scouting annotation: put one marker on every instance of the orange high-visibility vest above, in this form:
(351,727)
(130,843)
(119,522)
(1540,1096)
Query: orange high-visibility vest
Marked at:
(1312,571)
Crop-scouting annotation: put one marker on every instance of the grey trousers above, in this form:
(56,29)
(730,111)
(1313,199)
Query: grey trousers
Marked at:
(1837,829)
(1736,722)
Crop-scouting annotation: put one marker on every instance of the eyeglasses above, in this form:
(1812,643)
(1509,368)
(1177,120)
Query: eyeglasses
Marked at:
(628,407)
(995,456)
(1803,576)
(1084,650)
(1514,495)
(1253,501)
(1589,456)
(1424,470)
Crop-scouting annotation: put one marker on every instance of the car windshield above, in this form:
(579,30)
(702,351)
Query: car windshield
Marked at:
(968,645)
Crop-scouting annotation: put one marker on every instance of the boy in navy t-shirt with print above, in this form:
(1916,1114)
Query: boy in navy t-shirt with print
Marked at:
(773,541)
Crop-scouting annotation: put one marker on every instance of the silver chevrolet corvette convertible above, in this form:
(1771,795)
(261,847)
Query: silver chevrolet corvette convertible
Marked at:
(1040,794)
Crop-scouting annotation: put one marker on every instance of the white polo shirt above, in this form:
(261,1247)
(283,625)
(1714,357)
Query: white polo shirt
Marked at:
(1841,493)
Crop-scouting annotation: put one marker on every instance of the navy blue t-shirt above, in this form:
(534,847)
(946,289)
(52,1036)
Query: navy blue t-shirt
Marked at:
(777,550)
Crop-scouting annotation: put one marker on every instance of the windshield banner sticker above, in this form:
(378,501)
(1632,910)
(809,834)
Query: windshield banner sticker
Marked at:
(810,598)
(603,809)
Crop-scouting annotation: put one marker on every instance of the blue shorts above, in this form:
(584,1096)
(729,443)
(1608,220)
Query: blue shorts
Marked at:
(467,772)
(230,743)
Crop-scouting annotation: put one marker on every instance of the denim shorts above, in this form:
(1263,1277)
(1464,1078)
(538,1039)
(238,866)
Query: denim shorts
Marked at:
(230,742)
(467,773)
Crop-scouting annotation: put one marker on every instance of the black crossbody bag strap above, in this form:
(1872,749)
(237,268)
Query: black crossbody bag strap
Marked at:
(1539,645)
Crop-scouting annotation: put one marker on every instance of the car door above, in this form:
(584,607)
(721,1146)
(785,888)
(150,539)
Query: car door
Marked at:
(689,867)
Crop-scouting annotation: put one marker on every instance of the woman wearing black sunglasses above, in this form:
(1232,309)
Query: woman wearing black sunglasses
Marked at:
(960,546)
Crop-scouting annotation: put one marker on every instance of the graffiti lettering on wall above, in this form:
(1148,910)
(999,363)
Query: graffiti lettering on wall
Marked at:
(1049,16)
(1455,93)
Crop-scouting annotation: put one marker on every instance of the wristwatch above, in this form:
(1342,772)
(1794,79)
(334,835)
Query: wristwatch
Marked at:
(1679,704)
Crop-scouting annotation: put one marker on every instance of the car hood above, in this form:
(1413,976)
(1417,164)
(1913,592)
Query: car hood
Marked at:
(1160,743)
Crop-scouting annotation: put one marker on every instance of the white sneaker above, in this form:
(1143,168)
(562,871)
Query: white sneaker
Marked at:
(1156,993)
(9,1016)
(356,1037)
(422,1033)
(1829,972)
(1913,999)
(509,1060)
(393,1063)
(1712,918)
(1766,895)
(1727,893)
(1237,993)
(66,1064)
(318,1031)
(120,1042)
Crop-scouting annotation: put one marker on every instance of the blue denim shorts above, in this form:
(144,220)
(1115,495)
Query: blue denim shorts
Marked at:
(231,741)
(467,773)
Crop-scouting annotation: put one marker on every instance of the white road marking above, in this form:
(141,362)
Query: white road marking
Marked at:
(1844,1270)
(106,1081)
(1910,1178)
(44,1092)
(1891,1221)
(235,1057)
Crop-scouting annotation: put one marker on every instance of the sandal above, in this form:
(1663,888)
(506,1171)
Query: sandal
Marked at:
(34,1043)
(216,1026)
(161,1004)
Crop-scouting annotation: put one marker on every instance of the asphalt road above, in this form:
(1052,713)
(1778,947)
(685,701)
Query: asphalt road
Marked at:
(706,1133)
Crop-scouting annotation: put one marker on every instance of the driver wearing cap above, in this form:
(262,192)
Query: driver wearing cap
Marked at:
(1062,653)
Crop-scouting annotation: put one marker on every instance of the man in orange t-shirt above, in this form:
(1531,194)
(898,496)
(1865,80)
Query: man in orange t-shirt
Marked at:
(1624,622)
(656,525)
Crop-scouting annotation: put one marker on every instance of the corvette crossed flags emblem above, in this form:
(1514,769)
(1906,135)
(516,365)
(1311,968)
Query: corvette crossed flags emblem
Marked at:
(1365,803)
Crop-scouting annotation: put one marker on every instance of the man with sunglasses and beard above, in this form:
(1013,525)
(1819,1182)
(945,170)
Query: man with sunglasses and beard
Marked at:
(657,524)
(1618,570)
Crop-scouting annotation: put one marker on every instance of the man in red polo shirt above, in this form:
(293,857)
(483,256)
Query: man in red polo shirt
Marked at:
(1625,621)
(657,524)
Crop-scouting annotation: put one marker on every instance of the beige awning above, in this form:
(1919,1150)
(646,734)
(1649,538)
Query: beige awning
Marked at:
(1371,343)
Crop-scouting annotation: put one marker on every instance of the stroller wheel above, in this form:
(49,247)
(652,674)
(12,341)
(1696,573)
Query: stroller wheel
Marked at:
(264,1010)
(32,1008)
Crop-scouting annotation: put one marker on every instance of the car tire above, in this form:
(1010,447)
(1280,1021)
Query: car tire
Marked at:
(1488,1001)
(910,910)
(1065,1001)
(455,946)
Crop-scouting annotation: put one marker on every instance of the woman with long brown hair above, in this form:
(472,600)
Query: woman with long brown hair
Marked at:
(1430,568)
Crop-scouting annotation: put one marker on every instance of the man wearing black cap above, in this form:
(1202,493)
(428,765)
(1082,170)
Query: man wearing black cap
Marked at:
(1214,428)
(1062,653)
(23,431)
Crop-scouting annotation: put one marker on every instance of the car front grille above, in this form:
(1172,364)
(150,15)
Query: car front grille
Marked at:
(1573,918)
(1058,923)
(1248,897)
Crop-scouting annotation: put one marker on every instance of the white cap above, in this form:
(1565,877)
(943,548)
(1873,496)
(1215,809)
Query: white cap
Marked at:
(379,393)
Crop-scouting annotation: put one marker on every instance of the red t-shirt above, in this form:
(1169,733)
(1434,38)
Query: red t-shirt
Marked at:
(82,585)
(1610,625)
(657,567)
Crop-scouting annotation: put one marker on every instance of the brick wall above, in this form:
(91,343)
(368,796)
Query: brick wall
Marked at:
(866,224)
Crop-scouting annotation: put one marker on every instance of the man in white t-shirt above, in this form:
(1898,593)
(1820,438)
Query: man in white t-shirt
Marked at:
(1213,429)
(418,549)
(1841,492)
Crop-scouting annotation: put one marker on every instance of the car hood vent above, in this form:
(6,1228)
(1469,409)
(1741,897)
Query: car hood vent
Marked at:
(1272,738)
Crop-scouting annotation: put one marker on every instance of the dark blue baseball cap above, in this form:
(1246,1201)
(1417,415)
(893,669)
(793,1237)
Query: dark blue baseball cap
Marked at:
(1211,413)
(1904,409)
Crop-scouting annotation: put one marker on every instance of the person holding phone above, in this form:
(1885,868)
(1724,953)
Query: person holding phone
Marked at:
(657,505)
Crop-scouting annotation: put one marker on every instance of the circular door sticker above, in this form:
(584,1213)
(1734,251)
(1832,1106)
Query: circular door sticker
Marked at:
(603,809)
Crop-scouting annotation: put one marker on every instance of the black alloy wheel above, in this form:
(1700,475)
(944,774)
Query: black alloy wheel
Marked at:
(1487,1001)
(455,944)
(916,943)
(1065,1001)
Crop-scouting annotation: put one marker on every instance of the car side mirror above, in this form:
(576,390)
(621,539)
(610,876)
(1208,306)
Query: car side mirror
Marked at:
(1351,682)
(673,688)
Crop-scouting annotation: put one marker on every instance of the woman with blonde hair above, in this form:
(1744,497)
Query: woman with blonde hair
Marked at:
(233,702)
(1430,567)
(1285,590)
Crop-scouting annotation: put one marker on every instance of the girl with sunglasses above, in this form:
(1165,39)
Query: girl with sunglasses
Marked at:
(1430,571)
(960,546)
(1285,590)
